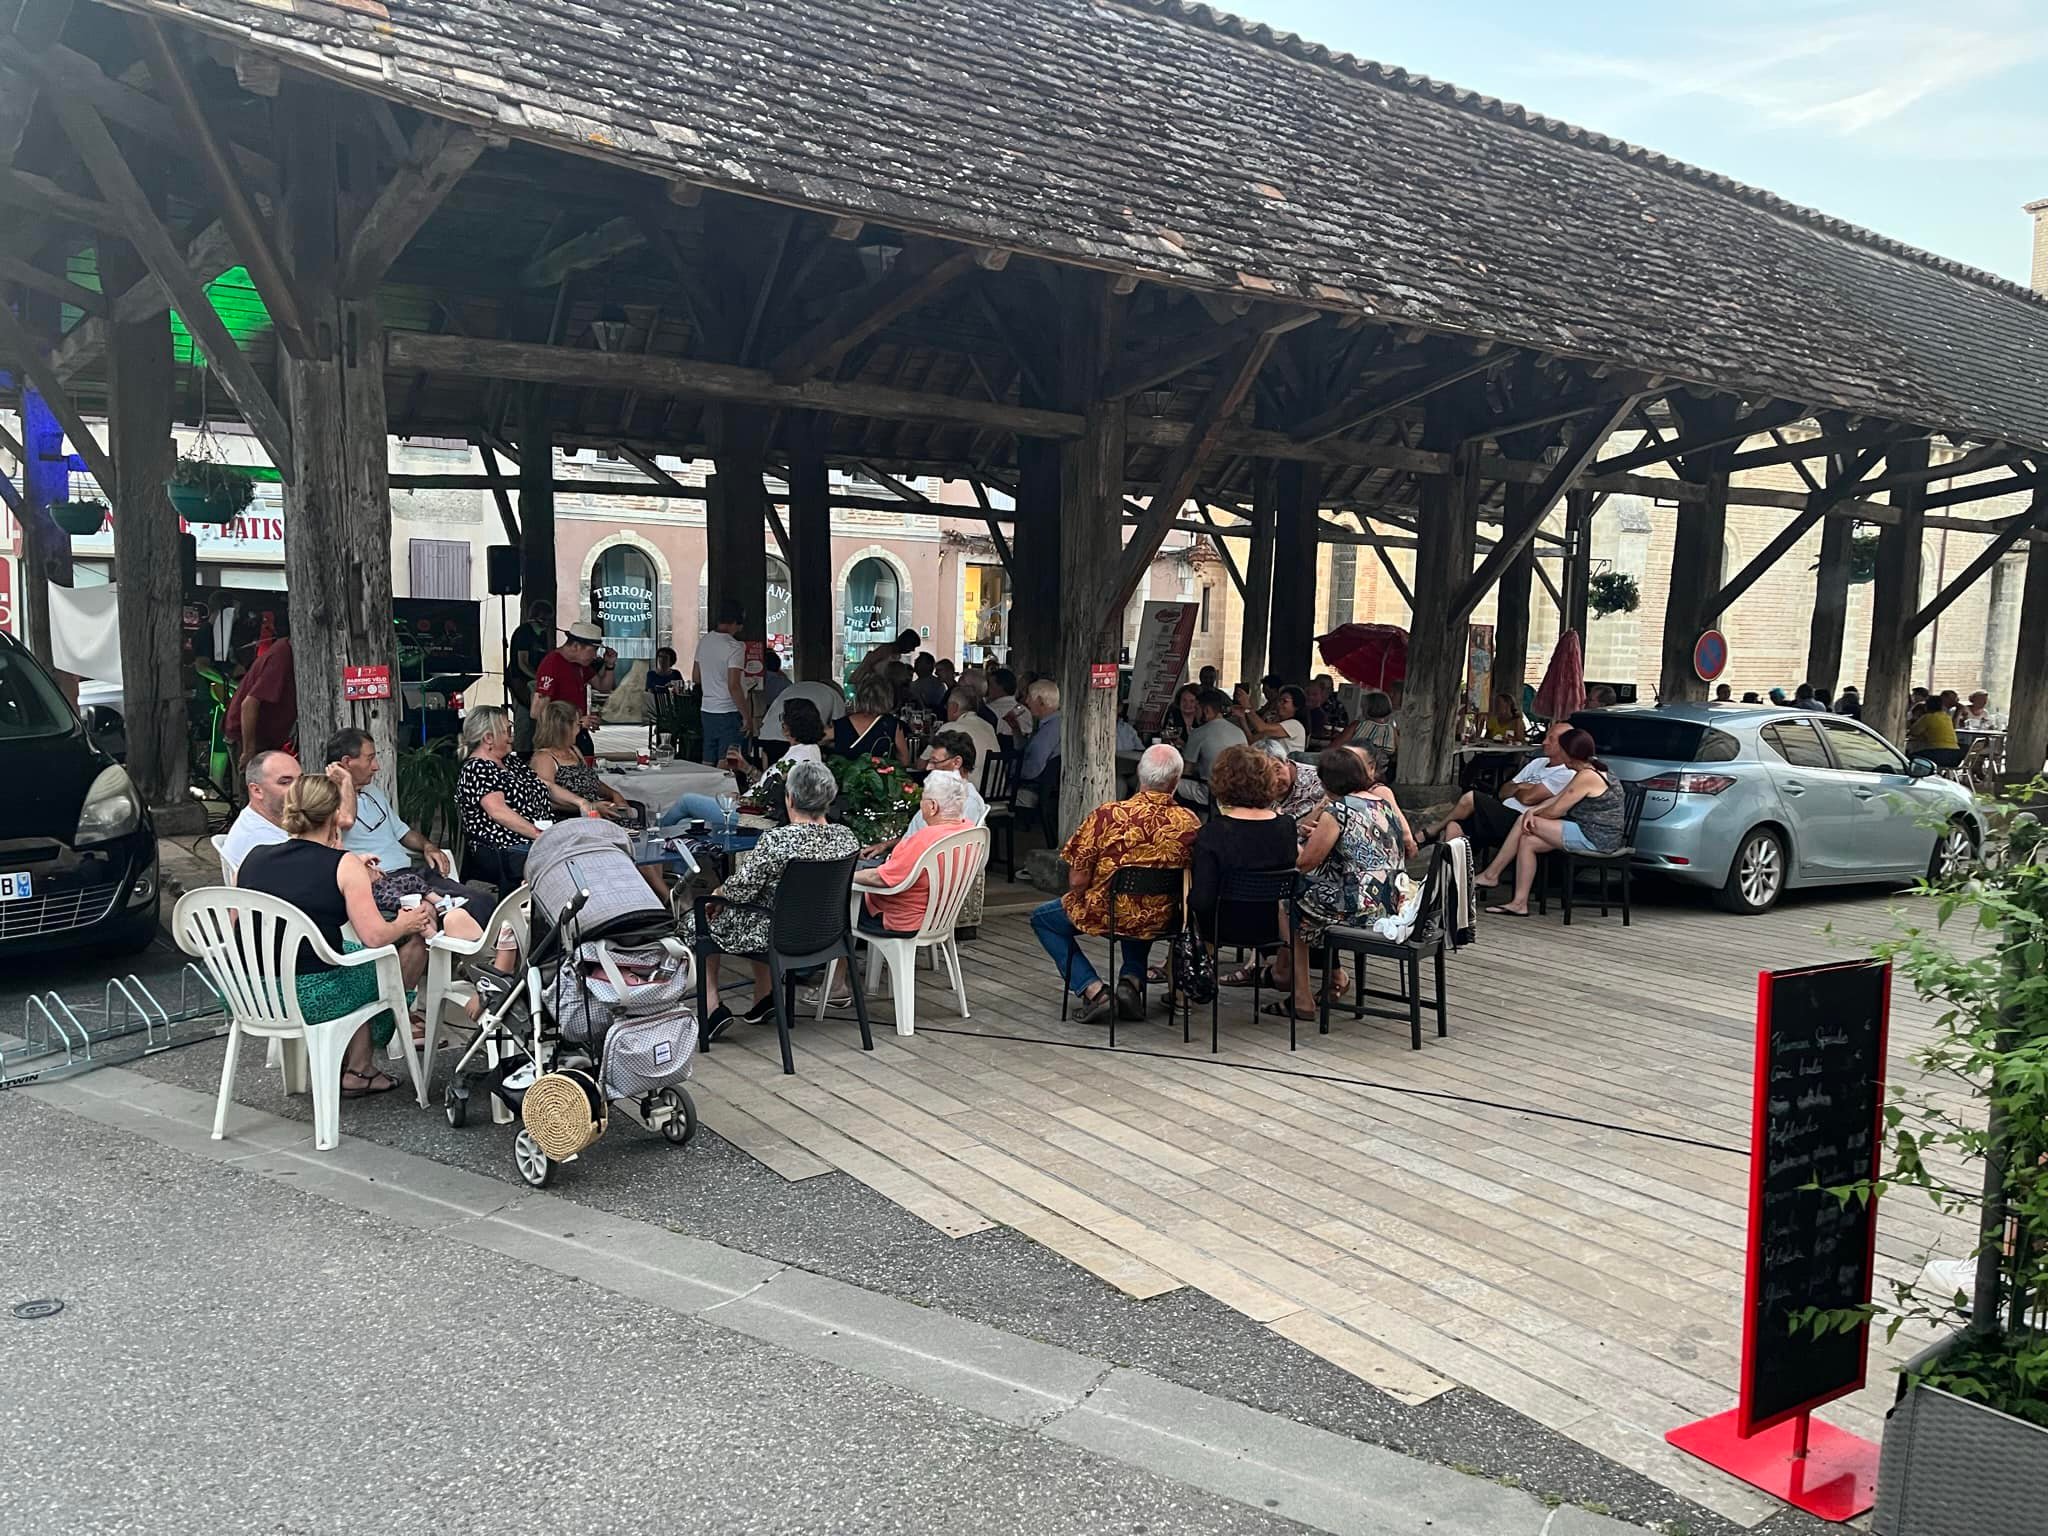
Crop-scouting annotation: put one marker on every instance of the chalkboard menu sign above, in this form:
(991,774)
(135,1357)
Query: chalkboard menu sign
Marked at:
(1820,1073)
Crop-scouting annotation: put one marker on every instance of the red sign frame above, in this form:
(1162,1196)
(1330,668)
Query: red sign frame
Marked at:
(1699,650)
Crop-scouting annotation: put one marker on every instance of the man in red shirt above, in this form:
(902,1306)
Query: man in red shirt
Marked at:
(570,670)
(264,713)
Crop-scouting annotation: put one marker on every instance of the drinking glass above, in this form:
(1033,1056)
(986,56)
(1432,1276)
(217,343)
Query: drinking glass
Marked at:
(729,808)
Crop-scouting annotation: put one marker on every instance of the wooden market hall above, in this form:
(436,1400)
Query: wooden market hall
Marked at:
(1124,267)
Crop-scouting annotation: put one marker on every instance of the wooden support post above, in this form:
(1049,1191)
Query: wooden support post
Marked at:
(1895,599)
(1511,611)
(1699,542)
(2026,748)
(1258,576)
(1091,544)
(338,529)
(147,569)
(736,518)
(1035,546)
(537,579)
(810,536)
(1290,642)
(1446,531)
(1830,605)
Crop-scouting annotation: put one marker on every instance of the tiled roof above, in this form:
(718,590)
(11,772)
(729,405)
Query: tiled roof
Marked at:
(1166,139)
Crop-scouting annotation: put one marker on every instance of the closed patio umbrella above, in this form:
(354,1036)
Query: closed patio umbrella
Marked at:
(1563,691)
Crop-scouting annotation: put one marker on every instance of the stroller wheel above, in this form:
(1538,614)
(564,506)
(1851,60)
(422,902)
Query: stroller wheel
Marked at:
(456,1104)
(534,1166)
(681,1123)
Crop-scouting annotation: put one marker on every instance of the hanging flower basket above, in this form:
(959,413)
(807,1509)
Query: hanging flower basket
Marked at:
(205,490)
(79,518)
(1613,592)
(1862,559)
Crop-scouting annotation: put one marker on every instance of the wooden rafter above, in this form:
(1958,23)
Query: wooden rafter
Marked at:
(1549,414)
(29,275)
(919,276)
(1779,413)
(2009,533)
(995,529)
(1393,396)
(1995,456)
(166,263)
(1184,465)
(1217,533)
(438,157)
(1176,355)
(593,248)
(1817,506)
(1394,575)
(2013,485)
(25,189)
(1786,452)
(19,348)
(36,26)
(1549,491)
(500,493)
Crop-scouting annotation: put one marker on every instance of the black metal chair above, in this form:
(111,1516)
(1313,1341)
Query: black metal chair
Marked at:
(1620,864)
(1429,938)
(1135,880)
(809,926)
(998,788)
(1252,887)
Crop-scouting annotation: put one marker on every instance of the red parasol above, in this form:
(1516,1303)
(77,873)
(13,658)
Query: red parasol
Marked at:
(1371,655)
(1564,682)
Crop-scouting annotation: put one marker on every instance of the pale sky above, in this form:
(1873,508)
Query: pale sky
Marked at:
(1921,121)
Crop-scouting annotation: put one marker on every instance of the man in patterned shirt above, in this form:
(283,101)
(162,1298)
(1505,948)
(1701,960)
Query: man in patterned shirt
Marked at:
(1146,831)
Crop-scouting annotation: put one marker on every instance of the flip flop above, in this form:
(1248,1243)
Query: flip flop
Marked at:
(375,1083)
(1286,1011)
(1507,912)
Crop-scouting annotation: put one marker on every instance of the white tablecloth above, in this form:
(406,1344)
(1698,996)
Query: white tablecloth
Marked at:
(658,786)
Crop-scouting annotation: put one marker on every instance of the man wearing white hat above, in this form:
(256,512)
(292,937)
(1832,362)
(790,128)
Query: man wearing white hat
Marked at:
(570,670)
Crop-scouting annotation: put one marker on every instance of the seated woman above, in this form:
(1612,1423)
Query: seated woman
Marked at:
(500,802)
(871,729)
(663,678)
(572,784)
(945,811)
(1931,733)
(1505,722)
(310,870)
(744,930)
(805,728)
(1586,816)
(1377,788)
(1245,833)
(1185,718)
(1377,730)
(1349,858)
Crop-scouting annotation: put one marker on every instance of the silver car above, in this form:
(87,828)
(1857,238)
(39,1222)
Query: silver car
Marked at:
(1754,800)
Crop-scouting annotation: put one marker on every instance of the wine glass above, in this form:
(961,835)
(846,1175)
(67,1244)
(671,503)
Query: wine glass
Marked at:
(729,808)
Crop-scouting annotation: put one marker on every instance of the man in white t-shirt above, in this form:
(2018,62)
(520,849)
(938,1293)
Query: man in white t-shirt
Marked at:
(269,776)
(830,701)
(1488,819)
(721,672)
(960,716)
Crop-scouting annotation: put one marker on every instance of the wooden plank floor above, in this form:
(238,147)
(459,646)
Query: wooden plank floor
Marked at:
(1548,1206)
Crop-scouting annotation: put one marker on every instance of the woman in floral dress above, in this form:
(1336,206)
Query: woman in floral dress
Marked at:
(1348,862)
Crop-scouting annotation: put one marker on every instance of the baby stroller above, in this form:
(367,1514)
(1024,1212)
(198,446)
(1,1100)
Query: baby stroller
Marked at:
(598,1015)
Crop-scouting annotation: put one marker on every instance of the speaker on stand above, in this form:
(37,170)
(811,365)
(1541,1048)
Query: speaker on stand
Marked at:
(502,573)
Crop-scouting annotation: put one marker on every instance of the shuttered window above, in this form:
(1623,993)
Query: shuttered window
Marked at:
(439,568)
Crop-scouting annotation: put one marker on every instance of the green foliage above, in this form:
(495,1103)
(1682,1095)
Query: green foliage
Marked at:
(1862,559)
(1985,964)
(679,717)
(224,485)
(1613,592)
(876,798)
(426,788)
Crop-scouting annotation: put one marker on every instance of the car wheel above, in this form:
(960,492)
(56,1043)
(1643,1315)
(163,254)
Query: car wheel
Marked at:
(1756,878)
(1955,855)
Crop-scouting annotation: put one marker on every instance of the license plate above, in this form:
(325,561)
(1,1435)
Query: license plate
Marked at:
(14,886)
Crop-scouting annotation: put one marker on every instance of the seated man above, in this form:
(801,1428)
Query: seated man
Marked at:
(950,752)
(269,778)
(1488,819)
(962,706)
(1042,699)
(943,810)
(370,827)
(1146,831)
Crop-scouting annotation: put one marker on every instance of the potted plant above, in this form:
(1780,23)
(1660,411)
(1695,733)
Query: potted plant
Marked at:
(79,518)
(203,489)
(1966,1445)
(876,799)
(1862,559)
(1613,592)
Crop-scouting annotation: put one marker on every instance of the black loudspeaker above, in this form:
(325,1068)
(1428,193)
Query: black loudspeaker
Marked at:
(188,562)
(502,562)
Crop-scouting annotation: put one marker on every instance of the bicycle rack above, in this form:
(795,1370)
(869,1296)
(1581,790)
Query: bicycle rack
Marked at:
(56,1040)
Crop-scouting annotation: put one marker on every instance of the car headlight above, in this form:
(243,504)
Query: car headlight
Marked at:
(112,809)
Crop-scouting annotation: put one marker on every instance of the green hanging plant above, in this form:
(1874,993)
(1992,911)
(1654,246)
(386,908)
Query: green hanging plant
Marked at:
(1613,592)
(1862,559)
(81,519)
(204,489)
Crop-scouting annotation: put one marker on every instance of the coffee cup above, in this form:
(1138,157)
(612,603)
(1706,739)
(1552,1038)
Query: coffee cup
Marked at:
(407,903)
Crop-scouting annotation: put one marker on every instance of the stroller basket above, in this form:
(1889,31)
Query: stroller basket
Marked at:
(632,1004)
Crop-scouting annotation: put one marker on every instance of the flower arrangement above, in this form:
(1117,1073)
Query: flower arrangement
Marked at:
(204,489)
(876,798)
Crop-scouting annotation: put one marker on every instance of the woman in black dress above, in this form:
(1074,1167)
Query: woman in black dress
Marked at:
(1245,833)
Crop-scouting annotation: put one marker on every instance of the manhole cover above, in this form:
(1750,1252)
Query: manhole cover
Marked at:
(30,1310)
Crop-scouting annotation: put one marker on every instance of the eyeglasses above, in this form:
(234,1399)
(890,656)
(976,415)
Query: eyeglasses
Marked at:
(365,806)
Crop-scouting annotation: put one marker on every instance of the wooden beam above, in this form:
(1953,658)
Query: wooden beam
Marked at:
(1815,447)
(166,264)
(995,530)
(500,492)
(1177,479)
(2009,533)
(1361,409)
(440,154)
(1817,505)
(223,184)
(1560,478)
(37,25)
(781,534)
(1983,490)
(18,347)
(24,189)
(1894,600)
(1993,456)
(1216,534)
(1778,413)
(908,493)
(207,255)
(31,276)
(1394,575)
(920,275)
(1175,356)
(592,248)
(1565,408)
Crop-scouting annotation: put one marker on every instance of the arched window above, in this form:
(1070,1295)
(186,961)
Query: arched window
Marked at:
(871,608)
(781,620)
(622,600)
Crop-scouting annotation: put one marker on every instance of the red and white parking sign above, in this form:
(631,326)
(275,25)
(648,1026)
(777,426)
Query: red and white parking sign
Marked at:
(359,683)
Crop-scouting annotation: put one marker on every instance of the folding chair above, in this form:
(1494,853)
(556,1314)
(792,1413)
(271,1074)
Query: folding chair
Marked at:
(1620,863)
(1246,887)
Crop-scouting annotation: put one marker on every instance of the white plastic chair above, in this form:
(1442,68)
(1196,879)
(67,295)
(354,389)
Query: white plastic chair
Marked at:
(441,990)
(249,944)
(228,869)
(952,864)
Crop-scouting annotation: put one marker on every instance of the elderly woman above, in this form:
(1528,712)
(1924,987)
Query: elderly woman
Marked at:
(740,911)
(1245,833)
(1349,858)
(944,809)
(1377,730)
(1586,816)
(572,784)
(500,802)
(871,729)
(310,870)
(1185,718)
(1379,789)
(1298,789)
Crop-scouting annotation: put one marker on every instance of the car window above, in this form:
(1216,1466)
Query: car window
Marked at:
(1642,735)
(1717,747)
(30,704)
(1862,750)
(1795,742)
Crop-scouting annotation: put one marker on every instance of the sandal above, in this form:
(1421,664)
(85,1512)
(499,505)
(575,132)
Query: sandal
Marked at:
(1499,911)
(368,1084)
(1246,975)
(1286,1011)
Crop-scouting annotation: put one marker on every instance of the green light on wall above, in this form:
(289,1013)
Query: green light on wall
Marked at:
(235,300)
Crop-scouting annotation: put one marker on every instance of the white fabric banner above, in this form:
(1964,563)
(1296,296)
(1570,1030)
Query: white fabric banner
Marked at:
(85,631)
